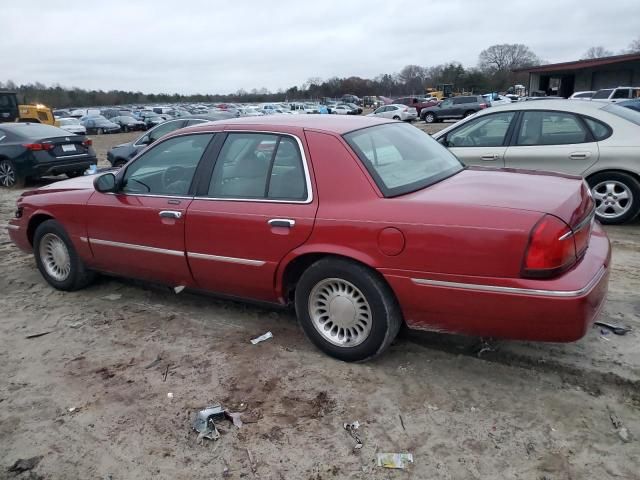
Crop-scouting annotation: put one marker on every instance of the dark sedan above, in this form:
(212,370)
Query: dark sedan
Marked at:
(128,123)
(30,150)
(99,125)
(121,154)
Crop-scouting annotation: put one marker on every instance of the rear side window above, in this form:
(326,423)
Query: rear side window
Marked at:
(259,166)
(551,128)
(599,130)
(602,94)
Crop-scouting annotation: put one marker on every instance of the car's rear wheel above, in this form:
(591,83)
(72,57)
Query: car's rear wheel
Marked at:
(617,197)
(396,117)
(9,177)
(57,259)
(99,131)
(430,118)
(468,113)
(119,163)
(346,309)
(125,129)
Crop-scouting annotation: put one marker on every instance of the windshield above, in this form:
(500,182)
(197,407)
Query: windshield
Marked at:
(622,112)
(402,158)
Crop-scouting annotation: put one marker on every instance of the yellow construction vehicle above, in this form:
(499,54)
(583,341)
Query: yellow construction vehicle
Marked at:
(11,111)
(442,90)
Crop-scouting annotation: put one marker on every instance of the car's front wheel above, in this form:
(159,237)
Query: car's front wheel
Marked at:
(57,259)
(99,131)
(430,118)
(9,177)
(346,309)
(617,197)
(75,173)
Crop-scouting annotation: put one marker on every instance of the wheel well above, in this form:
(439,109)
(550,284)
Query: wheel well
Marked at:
(614,170)
(34,223)
(296,268)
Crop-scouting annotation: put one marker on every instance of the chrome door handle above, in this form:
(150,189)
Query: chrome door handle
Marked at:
(579,155)
(489,156)
(170,214)
(282,222)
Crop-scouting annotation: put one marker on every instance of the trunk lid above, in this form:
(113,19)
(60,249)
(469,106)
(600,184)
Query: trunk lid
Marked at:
(65,147)
(565,196)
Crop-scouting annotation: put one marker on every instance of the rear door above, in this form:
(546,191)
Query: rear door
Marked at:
(139,230)
(482,141)
(553,141)
(256,206)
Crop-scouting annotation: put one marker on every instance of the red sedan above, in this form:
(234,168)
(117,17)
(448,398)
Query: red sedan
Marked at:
(361,223)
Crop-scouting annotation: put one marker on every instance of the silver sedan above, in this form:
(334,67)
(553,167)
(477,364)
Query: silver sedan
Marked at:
(599,141)
(396,111)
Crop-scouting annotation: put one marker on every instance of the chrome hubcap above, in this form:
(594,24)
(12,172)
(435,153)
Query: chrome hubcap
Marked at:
(7,175)
(55,257)
(340,312)
(612,198)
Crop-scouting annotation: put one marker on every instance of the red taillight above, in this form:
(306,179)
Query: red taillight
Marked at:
(483,105)
(551,249)
(37,147)
(88,142)
(406,109)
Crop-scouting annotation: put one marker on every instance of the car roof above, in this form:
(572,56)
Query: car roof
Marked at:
(559,104)
(328,123)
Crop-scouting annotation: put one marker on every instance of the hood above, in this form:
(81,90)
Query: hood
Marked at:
(84,182)
(565,196)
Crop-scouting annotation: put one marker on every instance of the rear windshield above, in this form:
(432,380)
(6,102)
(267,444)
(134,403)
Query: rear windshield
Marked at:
(402,158)
(36,130)
(622,112)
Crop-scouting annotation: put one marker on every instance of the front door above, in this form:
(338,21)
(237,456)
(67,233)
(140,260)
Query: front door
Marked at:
(553,141)
(138,231)
(481,141)
(256,208)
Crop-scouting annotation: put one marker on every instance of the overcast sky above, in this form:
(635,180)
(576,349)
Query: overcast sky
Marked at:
(190,46)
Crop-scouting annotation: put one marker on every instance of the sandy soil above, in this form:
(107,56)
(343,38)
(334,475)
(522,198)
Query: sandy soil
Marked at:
(521,411)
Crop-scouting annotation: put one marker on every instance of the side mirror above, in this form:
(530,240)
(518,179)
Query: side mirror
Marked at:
(105,183)
(146,140)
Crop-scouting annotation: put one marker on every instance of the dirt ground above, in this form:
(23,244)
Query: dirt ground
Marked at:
(110,391)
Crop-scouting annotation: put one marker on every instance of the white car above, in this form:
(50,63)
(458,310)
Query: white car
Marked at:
(494,99)
(71,125)
(395,111)
(598,140)
(616,94)
(584,95)
(341,110)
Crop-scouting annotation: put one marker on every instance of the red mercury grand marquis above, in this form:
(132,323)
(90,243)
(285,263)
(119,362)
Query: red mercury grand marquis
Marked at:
(361,223)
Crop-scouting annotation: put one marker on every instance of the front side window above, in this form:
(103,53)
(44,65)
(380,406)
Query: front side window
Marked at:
(168,168)
(259,166)
(163,129)
(551,128)
(401,158)
(485,131)
(621,93)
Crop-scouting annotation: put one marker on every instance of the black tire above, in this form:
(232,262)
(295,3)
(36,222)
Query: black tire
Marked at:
(9,177)
(620,181)
(385,313)
(99,131)
(75,173)
(396,117)
(468,112)
(119,163)
(125,129)
(79,276)
(430,117)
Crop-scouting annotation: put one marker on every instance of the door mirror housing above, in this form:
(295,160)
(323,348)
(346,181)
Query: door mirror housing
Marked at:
(105,183)
(146,140)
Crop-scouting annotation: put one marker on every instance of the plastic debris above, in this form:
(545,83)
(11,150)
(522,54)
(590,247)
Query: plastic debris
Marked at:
(24,465)
(394,460)
(617,329)
(351,428)
(36,335)
(622,431)
(154,363)
(204,422)
(112,296)
(179,288)
(73,409)
(77,324)
(262,338)
(170,395)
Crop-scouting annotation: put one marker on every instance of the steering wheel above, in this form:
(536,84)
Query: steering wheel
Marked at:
(174,178)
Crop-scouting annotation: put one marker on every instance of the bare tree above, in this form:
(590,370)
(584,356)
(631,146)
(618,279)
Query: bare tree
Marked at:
(597,52)
(634,47)
(507,57)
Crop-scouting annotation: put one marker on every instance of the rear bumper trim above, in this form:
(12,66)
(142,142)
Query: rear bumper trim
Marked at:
(513,290)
